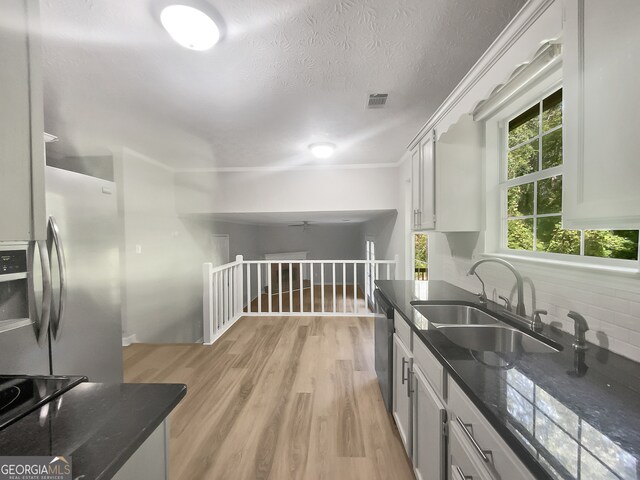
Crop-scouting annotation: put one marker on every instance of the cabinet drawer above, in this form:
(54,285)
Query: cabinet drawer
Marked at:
(501,458)
(430,367)
(464,463)
(403,330)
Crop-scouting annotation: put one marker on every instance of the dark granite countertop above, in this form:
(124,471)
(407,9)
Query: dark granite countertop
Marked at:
(99,425)
(564,416)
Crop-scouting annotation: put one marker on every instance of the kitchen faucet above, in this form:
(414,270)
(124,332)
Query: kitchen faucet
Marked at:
(520,308)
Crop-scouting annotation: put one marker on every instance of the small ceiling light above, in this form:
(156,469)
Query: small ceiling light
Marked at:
(322,150)
(190,27)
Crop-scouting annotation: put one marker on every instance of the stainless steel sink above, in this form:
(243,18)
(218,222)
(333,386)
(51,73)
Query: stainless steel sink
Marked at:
(455,315)
(494,338)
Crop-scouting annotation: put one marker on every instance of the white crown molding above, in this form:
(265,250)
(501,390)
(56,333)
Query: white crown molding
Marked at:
(286,168)
(523,20)
(146,159)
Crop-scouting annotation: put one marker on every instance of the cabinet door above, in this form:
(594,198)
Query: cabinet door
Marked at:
(402,406)
(429,416)
(428,211)
(601,98)
(416,187)
(22,209)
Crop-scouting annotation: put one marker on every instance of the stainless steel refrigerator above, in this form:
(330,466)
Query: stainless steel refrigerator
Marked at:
(60,314)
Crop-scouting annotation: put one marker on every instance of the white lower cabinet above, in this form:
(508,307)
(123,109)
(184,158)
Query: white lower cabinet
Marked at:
(483,444)
(151,460)
(472,449)
(402,401)
(429,421)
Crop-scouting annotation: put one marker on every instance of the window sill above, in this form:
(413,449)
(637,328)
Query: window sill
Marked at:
(628,272)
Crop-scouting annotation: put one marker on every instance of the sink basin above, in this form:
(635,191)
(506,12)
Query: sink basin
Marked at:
(494,338)
(455,315)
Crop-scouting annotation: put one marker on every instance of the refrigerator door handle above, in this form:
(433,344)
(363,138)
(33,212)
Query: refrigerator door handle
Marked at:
(42,323)
(54,236)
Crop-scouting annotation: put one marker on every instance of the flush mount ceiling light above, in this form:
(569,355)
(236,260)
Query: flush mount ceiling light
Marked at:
(190,27)
(322,150)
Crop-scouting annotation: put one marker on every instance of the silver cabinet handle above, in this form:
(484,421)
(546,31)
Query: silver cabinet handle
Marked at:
(42,323)
(460,474)
(55,238)
(409,390)
(404,362)
(469,435)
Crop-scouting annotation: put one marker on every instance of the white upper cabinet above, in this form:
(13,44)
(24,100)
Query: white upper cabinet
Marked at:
(22,201)
(601,67)
(458,181)
(423,183)
(447,179)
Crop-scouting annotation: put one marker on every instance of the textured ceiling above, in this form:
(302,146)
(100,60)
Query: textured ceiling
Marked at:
(286,73)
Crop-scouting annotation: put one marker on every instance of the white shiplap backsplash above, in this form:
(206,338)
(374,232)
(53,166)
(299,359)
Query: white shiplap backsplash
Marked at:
(610,303)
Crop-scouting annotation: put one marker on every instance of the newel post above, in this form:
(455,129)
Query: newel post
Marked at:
(208,324)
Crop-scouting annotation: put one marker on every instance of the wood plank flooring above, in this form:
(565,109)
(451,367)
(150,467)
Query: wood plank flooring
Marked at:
(277,398)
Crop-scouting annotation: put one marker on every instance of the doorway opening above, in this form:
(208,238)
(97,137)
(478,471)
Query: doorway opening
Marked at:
(420,256)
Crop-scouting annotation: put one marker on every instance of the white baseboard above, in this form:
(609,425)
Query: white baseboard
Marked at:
(200,340)
(126,341)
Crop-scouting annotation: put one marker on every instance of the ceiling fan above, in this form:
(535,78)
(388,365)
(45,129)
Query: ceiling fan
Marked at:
(304,224)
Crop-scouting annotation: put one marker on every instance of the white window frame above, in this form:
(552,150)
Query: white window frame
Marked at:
(497,183)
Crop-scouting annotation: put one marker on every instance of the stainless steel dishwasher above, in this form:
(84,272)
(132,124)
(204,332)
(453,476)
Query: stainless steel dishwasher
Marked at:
(384,346)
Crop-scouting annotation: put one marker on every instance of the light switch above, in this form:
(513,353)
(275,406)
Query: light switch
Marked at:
(138,249)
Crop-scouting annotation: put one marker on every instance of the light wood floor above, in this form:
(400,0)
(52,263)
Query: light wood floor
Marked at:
(341,305)
(279,398)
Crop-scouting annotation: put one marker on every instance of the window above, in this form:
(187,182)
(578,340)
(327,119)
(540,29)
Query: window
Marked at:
(532,191)
(421,256)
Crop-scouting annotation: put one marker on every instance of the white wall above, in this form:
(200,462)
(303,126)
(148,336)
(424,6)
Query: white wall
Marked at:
(161,285)
(243,239)
(298,190)
(610,303)
(392,233)
(321,241)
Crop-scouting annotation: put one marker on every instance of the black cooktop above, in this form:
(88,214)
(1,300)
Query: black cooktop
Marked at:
(22,394)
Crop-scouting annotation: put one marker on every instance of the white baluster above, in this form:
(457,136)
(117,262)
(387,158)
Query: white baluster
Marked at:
(312,288)
(355,288)
(259,280)
(270,289)
(248,288)
(322,283)
(280,287)
(301,275)
(333,277)
(344,287)
(290,287)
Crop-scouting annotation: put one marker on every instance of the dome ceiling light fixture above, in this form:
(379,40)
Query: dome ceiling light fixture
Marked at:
(322,150)
(190,27)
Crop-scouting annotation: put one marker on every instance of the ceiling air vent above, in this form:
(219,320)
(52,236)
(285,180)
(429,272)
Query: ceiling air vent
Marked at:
(377,100)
